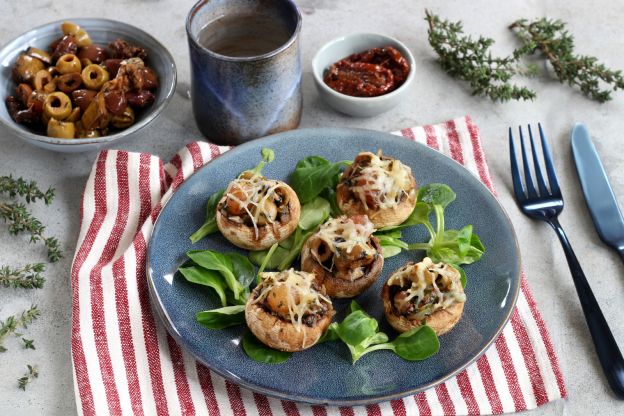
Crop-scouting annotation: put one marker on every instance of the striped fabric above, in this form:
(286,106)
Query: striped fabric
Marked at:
(125,363)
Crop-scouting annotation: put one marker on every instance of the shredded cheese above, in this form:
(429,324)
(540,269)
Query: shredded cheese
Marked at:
(383,180)
(342,235)
(256,199)
(295,288)
(424,291)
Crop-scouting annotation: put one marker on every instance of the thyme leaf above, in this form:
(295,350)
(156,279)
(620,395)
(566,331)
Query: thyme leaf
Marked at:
(12,323)
(551,39)
(471,60)
(25,277)
(32,373)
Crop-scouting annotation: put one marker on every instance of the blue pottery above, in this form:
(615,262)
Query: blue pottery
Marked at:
(324,374)
(236,99)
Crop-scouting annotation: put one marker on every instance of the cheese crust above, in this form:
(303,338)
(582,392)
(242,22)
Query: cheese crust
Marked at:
(424,294)
(255,213)
(378,186)
(287,312)
(344,256)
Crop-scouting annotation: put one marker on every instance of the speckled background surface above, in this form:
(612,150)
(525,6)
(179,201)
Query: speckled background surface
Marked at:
(436,97)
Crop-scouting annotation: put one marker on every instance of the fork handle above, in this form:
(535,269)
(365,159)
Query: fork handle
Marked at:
(606,346)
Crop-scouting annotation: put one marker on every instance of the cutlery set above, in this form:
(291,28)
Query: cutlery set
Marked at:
(545,203)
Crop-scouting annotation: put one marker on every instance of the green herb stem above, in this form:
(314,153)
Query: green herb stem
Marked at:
(20,220)
(552,39)
(25,277)
(32,373)
(13,323)
(26,189)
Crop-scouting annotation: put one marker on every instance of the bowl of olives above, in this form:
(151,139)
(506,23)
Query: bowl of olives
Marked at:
(81,85)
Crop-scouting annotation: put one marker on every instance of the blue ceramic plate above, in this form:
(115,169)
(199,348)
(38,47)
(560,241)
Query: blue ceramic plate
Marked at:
(314,375)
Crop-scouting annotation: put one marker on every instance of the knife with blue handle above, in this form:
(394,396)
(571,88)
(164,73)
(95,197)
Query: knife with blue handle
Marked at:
(599,196)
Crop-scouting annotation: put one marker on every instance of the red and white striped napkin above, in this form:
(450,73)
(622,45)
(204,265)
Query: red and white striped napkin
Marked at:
(125,362)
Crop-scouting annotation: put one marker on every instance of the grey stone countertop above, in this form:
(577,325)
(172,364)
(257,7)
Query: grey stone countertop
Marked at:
(597,26)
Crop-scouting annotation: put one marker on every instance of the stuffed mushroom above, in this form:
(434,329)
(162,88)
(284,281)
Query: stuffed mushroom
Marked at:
(256,212)
(378,186)
(344,256)
(424,293)
(288,310)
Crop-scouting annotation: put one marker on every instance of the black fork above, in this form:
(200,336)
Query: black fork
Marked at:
(546,203)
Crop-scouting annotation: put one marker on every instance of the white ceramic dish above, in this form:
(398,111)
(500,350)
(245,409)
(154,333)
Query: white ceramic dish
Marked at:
(344,46)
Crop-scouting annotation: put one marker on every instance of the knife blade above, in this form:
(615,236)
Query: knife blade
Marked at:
(599,195)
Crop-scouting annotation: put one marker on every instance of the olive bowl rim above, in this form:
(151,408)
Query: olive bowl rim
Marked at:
(18,43)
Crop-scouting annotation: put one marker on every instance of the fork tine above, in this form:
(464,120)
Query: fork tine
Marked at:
(536,165)
(550,167)
(531,192)
(515,171)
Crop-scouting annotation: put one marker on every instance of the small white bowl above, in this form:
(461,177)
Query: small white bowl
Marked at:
(344,46)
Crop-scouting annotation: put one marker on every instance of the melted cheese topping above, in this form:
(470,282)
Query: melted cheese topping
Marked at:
(432,286)
(255,194)
(292,289)
(342,234)
(383,180)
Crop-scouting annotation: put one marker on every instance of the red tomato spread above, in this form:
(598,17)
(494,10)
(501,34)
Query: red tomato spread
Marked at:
(371,73)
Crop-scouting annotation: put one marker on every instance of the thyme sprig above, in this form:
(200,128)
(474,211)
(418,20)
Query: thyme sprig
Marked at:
(20,220)
(32,373)
(27,189)
(552,39)
(29,344)
(471,59)
(14,322)
(25,277)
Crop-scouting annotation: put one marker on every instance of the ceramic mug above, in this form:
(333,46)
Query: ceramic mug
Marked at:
(240,98)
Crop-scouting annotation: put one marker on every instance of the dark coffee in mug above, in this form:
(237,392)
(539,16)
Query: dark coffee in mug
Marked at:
(243,35)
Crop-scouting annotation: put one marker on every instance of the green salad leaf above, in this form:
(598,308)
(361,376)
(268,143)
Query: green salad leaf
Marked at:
(224,264)
(313,174)
(210,224)
(314,213)
(222,317)
(454,247)
(360,332)
(210,278)
(257,351)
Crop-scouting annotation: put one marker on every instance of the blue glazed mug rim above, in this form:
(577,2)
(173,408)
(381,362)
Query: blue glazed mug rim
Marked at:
(255,58)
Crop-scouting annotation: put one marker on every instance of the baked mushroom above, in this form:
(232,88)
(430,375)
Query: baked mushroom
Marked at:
(288,310)
(255,212)
(424,293)
(344,256)
(378,186)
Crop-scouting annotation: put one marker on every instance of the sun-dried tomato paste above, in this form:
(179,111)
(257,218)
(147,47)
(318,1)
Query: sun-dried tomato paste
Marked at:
(370,73)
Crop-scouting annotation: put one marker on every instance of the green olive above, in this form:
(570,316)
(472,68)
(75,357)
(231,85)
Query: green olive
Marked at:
(124,120)
(94,76)
(57,105)
(68,63)
(69,28)
(61,129)
(82,38)
(42,79)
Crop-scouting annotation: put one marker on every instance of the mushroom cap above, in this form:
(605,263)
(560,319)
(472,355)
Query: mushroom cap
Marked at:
(280,334)
(441,321)
(340,288)
(380,217)
(244,236)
